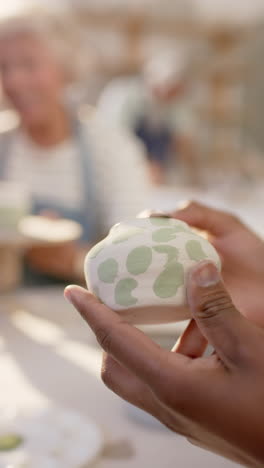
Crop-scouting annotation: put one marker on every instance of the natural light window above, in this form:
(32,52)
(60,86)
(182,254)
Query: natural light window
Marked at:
(11,7)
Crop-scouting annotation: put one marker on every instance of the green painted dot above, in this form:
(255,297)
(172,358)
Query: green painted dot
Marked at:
(195,251)
(126,235)
(95,251)
(164,235)
(108,270)
(123,292)
(171,252)
(181,228)
(139,260)
(168,283)
(10,442)
(161,221)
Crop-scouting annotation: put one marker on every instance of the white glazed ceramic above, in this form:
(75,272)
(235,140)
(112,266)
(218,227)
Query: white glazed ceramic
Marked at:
(42,229)
(52,438)
(140,269)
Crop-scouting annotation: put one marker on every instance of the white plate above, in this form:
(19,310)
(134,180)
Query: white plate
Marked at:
(53,438)
(39,228)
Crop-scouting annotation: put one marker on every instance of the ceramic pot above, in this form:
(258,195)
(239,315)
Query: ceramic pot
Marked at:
(140,269)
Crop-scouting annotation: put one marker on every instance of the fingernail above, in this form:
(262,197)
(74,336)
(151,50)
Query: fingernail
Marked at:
(175,347)
(152,213)
(68,294)
(144,214)
(183,204)
(207,275)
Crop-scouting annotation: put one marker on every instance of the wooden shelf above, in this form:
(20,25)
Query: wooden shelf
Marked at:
(219,73)
(146,24)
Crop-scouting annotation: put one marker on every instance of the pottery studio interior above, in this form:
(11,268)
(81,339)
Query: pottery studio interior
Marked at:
(131,233)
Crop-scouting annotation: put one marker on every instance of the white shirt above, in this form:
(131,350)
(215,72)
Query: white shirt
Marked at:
(124,100)
(121,180)
(51,174)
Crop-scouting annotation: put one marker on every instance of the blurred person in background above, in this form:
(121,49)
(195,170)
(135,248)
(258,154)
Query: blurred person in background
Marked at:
(73,165)
(156,109)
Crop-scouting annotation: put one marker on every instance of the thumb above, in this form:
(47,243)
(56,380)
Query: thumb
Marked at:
(212,309)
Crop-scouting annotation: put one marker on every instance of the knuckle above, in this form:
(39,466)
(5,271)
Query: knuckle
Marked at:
(106,376)
(193,442)
(193,204)
(169,426)
(213,304)
(104,338)
(233,220)
(188,206)
(107,338)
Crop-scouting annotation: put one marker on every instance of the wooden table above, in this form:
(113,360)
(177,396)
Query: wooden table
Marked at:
(48,353)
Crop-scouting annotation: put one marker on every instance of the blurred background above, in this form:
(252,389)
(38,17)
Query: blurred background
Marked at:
(108,108)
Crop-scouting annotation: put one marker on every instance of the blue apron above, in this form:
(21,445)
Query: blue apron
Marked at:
(87,215)
(158,142)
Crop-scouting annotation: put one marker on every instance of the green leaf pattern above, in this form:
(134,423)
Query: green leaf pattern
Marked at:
(139,261)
